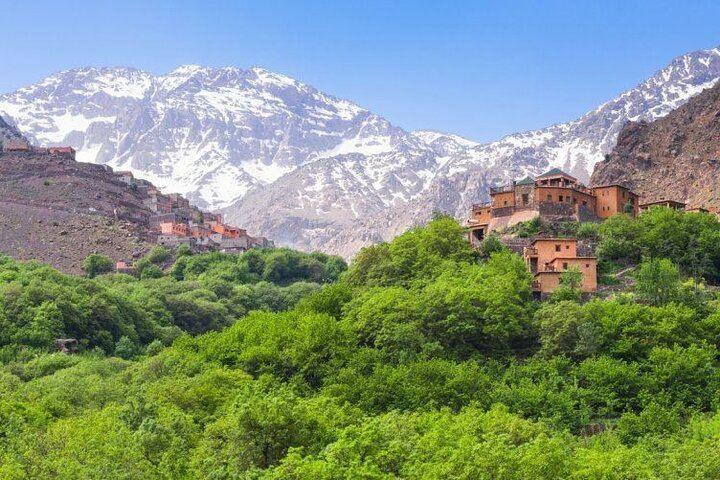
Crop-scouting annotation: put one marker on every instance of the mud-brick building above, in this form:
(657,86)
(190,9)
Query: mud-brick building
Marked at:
(548,258)
(62,152)
(554,195)
(611,199)
(171,228)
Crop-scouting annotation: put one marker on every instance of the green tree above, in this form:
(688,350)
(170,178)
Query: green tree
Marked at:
(183,251)
(95,264)
(125,348)
(489,245)
(658,281)
(158,254)
(570,285)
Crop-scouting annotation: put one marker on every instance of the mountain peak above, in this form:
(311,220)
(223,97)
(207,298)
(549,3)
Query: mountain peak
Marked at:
(302,166)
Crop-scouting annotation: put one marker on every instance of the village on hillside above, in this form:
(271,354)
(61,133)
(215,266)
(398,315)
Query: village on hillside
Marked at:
(556,196)
(172,220)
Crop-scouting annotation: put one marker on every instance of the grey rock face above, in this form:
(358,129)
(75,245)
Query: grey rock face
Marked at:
(9,133)
(302,167)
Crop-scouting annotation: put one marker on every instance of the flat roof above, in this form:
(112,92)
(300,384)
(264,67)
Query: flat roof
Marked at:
(553,239)
(573,258)
(607,185)
(549,273)
(658,202)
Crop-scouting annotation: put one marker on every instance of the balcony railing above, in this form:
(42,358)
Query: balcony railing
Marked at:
(531,251)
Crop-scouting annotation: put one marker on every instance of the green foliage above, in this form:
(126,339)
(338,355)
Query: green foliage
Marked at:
(418,254)
(658,281)
(588,231)
(621,239)
(570,285)
(418,362)
(489,245)
(281,266)
(691,240)
(38,304)
(183,251)
(531,228)
(95,264)
(125,348)
(159,254)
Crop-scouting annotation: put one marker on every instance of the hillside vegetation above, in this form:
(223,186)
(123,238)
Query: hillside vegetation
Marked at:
(424,359)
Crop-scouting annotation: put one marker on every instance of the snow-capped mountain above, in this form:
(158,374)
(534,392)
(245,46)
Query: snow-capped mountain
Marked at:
(211,133)
(303,167)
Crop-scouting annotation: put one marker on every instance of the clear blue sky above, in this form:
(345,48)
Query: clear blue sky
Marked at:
(479,69)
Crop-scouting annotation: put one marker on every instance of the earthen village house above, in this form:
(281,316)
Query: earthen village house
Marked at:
(554,196)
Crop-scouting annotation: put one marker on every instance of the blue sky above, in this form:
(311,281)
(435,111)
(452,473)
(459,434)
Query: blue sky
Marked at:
(479,69)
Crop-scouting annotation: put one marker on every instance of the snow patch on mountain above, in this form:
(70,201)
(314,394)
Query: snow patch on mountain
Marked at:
(306,168)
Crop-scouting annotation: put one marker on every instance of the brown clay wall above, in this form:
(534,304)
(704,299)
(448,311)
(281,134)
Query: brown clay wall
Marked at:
(482,215)
(504,199)
(588,267)
(551,248)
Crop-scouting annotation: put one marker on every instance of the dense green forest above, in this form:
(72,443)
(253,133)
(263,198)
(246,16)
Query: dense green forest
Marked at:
(423,359)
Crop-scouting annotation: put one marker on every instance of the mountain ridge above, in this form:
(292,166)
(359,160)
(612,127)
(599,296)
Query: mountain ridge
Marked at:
(673,158)
(294,163)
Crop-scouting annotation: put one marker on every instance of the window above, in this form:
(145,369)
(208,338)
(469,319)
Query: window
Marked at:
(505,203)
(560,199)
(585,203)
(567,247)
(565,266)
(549,198)
(587,265)
(557,248)
(525,198)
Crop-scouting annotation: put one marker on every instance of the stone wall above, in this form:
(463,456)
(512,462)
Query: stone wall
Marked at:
(586,214)
(556,209)
(528,190)
(503,211)
(515,244)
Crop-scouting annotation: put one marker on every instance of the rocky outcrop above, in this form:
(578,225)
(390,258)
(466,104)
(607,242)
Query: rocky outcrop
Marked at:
(676,157)
(9,133)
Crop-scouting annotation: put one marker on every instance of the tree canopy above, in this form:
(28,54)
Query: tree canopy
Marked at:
(422,360)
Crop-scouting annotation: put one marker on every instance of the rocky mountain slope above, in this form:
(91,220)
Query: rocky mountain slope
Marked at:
(9,133)
(58,211)
(676,157)
(305,168)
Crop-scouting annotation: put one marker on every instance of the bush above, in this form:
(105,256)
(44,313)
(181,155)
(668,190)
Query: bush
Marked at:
(489,245)
(183,251)
(159,254)
(125,348)
(95,264)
